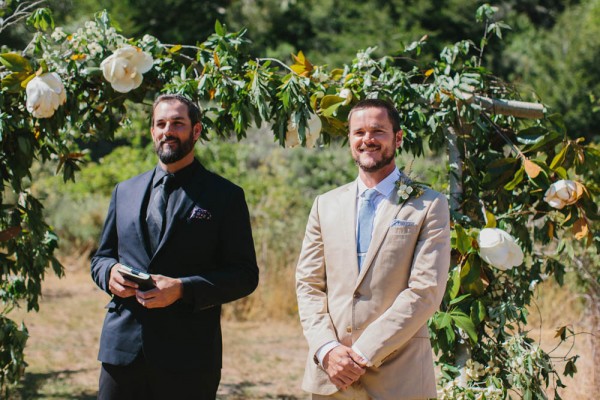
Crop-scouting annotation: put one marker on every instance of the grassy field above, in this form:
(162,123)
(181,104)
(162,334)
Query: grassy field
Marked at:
(263,359)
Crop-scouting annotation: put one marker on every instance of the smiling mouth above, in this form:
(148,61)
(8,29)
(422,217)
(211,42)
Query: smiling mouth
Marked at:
(368,149)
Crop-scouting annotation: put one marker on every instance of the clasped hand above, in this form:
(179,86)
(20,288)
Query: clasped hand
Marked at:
(344,366)
(167,290)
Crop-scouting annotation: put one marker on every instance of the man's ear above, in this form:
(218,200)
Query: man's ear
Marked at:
(197,130)
(399,138)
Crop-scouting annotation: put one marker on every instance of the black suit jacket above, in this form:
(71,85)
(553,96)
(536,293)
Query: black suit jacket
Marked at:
(207,243)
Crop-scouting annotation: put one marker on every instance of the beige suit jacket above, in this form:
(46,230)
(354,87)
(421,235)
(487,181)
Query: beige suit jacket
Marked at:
(384,309)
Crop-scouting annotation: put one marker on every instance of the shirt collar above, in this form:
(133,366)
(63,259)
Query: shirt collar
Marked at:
(385,187)
(180,176)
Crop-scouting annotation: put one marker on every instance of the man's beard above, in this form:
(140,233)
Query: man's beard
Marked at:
(386,159)
(169,155)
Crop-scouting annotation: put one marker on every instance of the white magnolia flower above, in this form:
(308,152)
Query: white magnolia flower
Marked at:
(312,132)
(124,68)
(561,193)
(346,94)
(499,249)
(45,93)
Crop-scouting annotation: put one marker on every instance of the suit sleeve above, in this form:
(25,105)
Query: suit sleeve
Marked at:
(426,286)
(107,253)
(311,286)
(237,274)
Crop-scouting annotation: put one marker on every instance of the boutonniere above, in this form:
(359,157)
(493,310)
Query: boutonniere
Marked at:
(407,188)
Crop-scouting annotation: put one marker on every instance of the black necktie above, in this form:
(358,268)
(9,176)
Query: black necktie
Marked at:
(156,215)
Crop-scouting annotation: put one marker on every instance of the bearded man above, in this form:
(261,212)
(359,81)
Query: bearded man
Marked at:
(372,270)
(176,244)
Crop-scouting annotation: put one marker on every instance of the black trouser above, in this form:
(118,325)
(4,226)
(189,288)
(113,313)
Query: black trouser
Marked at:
(139,380)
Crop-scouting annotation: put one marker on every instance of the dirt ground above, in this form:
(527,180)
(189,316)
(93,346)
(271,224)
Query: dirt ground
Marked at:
(262,359)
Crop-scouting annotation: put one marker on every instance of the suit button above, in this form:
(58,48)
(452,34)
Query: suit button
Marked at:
(357,295)
(349,329)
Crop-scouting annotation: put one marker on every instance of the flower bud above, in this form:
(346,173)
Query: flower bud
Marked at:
(45,93)
(499,249)
(561,193)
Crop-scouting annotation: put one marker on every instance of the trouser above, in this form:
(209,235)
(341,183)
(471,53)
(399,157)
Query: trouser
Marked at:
(139,380)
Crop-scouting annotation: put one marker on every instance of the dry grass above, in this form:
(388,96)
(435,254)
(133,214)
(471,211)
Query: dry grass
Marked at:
(263,359)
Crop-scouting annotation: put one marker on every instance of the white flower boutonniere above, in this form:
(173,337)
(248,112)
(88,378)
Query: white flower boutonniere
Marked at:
(407,188)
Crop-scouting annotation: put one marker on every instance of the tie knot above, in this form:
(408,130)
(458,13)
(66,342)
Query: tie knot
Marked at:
(166,181)
(370,194)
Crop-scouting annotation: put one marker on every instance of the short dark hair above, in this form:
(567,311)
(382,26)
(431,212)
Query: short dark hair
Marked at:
(388,106)
(193,110)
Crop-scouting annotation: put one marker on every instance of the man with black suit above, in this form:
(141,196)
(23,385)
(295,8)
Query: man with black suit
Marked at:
(190,230)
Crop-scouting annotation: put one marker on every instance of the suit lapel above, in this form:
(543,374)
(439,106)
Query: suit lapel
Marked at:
(348,229)
(389,210)
(137,203)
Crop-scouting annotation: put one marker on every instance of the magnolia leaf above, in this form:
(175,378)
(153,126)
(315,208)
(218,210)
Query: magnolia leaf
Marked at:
(531,168)
(561,332)
(463,240)
(464,322)
(454,283)
(442,320)
(559,158)
(14,82)
(490,220)
(580,228)
(516,179)
(478,312)
(459,299)
(9,233)
(15,62)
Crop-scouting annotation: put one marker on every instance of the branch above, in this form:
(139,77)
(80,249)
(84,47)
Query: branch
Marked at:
(23,10)
(514,108)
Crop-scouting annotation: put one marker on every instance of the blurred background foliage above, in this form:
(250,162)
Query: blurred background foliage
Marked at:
(552,46)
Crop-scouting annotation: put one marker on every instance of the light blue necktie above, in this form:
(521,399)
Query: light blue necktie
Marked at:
(366,215)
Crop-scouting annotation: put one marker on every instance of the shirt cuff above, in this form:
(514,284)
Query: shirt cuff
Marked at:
(326,348)
(357,351)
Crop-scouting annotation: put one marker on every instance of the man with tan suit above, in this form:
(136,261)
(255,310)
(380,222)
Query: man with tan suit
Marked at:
(372,270)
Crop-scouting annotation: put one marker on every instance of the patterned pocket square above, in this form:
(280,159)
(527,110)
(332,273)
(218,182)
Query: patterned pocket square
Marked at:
(199,213)
(401,222)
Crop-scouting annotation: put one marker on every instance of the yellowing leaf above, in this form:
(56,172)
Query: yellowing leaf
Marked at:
(490,220)
(216,58)
(175,49)
(550,230)
(301,66)
(531,168)
(580,189)
(77,57)
(580,228)
(429,72)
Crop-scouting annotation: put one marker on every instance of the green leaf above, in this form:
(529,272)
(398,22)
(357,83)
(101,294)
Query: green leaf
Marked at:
(442,320)
(464,322)
(559,158)
(516,180)
(478,312)
(13,82)
(219,30)
(15,62)
(558,121)
(41,19)
(454,283)
(459,299)
(463,240)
